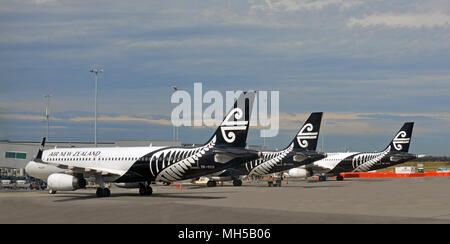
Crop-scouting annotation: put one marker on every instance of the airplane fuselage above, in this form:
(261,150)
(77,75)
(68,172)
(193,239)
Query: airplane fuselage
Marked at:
(337,163)
(272,162)
(134,164)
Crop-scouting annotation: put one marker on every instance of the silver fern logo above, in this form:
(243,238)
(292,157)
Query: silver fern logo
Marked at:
(364,162)
(303,137)
(400,139)
(228,126)
(269,160)
(173,169)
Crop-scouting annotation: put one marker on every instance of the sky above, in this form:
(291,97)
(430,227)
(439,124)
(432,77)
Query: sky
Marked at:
(369,66)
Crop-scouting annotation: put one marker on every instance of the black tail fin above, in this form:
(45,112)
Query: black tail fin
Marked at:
(41,149)
(307,136)
(234,128)
(402,139)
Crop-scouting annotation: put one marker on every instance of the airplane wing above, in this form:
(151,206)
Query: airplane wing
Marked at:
(92,170)
(407,156)
(223,155)
(301,156)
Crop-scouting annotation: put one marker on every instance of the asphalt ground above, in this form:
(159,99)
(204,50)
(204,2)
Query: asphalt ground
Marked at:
(382,200)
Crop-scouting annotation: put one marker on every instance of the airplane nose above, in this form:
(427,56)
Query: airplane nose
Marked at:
(27,167)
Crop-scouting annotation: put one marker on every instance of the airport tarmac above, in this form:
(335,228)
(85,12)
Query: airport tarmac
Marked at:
(386,200)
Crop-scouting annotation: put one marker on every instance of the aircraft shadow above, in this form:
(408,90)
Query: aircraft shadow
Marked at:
(206,187)
(179,195)
(265,186)
(320,186)
(184,196)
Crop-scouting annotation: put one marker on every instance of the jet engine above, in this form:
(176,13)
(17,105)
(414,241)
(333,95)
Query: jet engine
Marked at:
(65,182)
(298,173)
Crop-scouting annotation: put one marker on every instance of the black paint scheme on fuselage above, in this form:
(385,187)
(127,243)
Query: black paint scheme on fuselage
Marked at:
(140,171)
(286,163)
(348,164)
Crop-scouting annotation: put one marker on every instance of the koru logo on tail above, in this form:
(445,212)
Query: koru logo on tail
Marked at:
(229,125)
(303,137)
(399,139)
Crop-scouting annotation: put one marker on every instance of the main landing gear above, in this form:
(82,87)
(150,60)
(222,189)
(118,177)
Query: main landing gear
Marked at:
(103,192)
(339,178)
(145,189)
(277,183)
(322,178)
(211,183)
(237,182)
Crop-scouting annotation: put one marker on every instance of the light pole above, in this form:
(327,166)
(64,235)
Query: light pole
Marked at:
(47,112)
(96,71)
(175,129)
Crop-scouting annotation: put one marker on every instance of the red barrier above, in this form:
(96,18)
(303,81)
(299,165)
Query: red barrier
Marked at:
(393,175)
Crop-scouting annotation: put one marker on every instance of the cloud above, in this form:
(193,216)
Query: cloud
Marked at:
(22,117)
(302,5)
(43,2)
(123,119)
(337,122)
(203,43)
(271,14)
(185,43)
(251,17)
(408,20)
(77,119)
(345,123)
(321,55)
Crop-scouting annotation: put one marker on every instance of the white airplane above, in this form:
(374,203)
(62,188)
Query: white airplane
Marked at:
(68,169)
(336,163)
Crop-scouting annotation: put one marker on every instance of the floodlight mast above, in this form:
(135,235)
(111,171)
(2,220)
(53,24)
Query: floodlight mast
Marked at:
(96,71)
(176,130)
(47,113)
